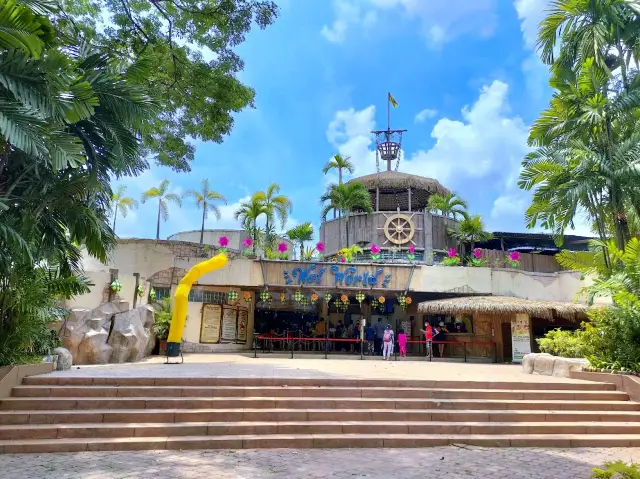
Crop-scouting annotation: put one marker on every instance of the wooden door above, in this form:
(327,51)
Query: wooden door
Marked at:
(507,350)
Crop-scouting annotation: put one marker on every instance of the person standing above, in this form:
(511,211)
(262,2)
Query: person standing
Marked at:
(402,343)
(379,329)
(387,343)
(439,338)
(370,336)
(428,336)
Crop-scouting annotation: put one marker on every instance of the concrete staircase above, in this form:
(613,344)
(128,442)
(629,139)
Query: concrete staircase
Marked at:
(57,414)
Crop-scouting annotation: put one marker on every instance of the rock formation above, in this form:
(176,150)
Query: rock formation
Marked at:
(65,360)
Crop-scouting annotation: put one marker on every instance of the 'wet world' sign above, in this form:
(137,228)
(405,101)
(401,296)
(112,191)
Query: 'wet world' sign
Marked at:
(337,276)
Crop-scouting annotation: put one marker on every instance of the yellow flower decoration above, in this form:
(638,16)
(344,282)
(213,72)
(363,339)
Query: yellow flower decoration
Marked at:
(407,300)
(381,299)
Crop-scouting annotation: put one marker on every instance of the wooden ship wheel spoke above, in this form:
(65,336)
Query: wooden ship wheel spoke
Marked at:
(399,229)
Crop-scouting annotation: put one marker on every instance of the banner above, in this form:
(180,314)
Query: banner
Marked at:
(229,325)
(520,337)
(243,322)
(210,325)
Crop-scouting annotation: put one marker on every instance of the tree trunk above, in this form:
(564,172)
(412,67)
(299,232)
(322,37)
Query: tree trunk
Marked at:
(115,215)
(346,226)
(158,225)
(254,235)
(204,213)
(302,251)
(339,176)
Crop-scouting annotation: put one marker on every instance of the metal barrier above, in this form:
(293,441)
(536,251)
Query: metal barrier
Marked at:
(290,342)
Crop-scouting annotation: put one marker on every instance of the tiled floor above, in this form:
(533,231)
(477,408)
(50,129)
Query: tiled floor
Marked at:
(235,365)
(442,463)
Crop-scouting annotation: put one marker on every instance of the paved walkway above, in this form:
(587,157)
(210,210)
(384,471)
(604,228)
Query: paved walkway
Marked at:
(442,463)
(235,365)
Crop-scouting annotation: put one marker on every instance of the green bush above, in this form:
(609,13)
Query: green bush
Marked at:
(566,344)
(163,315)
(617,470)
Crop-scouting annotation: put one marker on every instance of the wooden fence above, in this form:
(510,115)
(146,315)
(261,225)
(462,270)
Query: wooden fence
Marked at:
(537,263)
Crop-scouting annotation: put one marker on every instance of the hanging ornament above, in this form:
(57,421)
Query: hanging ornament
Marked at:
(360,297)
(304,302)
(407,300)
(232,296)
(314,298)
(152,294)
(337,303)
(115,286)
(298,296)
(381,300)
(374,302)
(248,297)
(283,298)
(265,295)
(327,297)
(345,299)
(140,291)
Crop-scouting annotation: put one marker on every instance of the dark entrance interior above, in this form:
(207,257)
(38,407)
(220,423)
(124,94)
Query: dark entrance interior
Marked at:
(507,349)
(279,322)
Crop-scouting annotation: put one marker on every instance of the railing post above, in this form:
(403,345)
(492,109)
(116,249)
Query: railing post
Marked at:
(326,336)
(290,345)
(464,346)
(255,344)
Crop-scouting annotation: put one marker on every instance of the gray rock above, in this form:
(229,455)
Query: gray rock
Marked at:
(85,333)
(543,364)
(548,365)
(65,360)
(527,363)
(564,366)
(131,337)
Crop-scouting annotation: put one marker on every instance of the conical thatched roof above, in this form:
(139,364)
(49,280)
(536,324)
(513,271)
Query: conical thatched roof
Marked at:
(504,305)
(395,179)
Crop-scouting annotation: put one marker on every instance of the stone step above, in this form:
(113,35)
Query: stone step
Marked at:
(308,391)
(108,416)
(91,430)
(72,403)
(54,380)
(302,441)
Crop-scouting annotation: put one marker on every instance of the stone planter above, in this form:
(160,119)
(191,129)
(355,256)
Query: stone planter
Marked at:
(548,365)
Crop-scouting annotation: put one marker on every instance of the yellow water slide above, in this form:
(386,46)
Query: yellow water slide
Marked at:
(181,298)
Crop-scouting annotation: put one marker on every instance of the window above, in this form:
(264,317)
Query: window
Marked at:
(162,292)
(201,296)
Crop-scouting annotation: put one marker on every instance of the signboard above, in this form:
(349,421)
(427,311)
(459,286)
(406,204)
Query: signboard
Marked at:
(406,325)
(210,325)
(338,276)
(243,323)
(229,325)
(520,337)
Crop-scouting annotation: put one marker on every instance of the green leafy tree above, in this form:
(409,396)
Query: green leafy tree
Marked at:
(205,199)
(248,214)
(470,231)
(301,234)
(161,193)
(449,205)
(121,204)
(189,46)
(346,198)
(340,163)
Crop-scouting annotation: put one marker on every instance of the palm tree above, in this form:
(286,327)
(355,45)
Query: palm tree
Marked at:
(122,203)
(606,31)
(204,199)
(338,162)
(346,198)
(300,234)
(449,205)
(161,193)
(470,231)
(276,206)
(587,151)
(248,214)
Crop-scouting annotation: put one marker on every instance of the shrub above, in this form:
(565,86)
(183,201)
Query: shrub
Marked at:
(162,317)
(617,470)
(566,344)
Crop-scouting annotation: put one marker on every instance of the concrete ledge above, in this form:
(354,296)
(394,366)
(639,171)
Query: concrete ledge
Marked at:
(548,365)
(11,376)
(623,382)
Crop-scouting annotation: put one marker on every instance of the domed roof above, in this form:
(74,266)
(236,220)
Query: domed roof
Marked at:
(393,189)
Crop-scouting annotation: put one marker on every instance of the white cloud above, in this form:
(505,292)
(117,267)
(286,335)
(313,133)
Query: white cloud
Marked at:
(425,114)
(484,148)
(441,20)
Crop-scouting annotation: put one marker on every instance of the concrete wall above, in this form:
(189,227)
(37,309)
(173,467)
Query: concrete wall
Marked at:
(211,237)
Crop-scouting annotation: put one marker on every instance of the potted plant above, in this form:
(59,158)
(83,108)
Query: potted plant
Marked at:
(162,322)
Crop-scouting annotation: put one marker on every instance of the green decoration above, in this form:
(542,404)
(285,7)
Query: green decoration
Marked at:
(374,303)
(265,296)
(115,286)
(360,297)
(140,291)
(152,294)
(327,297)
(298,296)
(232,296)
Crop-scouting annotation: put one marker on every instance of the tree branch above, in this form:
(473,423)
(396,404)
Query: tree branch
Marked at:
(173,55)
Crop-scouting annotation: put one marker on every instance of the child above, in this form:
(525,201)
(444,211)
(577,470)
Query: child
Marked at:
(402,342)
(428,335)
(387,342)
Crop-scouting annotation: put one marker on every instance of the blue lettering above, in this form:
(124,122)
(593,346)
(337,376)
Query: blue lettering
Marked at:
(349,276)
(305,275)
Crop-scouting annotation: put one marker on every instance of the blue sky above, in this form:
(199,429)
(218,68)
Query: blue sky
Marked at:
(465,75)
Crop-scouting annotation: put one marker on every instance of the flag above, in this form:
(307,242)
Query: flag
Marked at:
(393,101)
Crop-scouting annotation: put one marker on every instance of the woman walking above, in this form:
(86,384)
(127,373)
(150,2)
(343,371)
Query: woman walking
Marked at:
(387,341)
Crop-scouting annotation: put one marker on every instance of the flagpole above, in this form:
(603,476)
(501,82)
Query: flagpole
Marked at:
(388,112)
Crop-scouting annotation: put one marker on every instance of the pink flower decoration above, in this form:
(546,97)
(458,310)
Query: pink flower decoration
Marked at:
(320,247)
(452,253)
(343,260)
(282,247)
(411,249)
(477,253)
(375,249)
(247,242)
(514,256)
(223,241)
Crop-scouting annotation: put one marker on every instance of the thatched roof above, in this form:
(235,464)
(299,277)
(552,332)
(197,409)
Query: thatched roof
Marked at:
(504,305)
(401,181)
